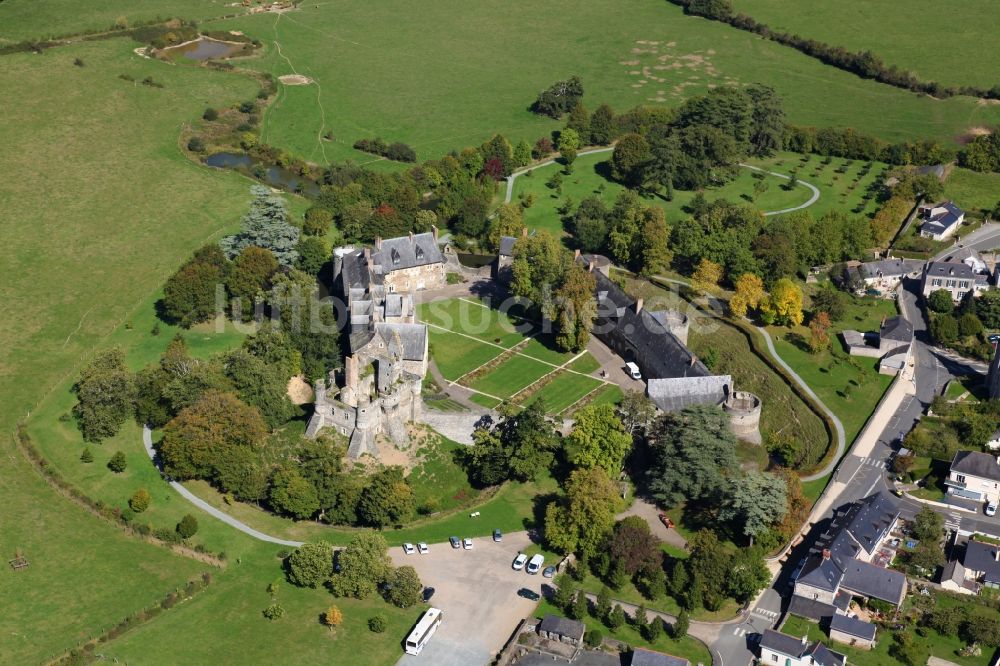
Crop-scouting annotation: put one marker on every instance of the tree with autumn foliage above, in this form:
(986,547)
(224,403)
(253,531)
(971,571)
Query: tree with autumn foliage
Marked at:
(706,277)
(749,294)
(797,505)
(784,305)
(333,617)
(819,336)
(576,308)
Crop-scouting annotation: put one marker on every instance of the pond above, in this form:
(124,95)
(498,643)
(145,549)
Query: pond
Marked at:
(275,176)
(204,48)
(475,260)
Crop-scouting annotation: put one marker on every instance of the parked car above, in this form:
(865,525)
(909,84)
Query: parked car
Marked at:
(633,370)
(467,543)
(519,561)
(409,549)
(455,543)
(549,572)
(531,595)
(991,509)
(422,548)
(665,519)
(428,593)
(535,563)
(497,536)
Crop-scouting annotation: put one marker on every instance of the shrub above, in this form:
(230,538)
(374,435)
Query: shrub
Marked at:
(139,501)
(87,456)
(210,114)
(117,464)
(196,145)
(248,107)
(594,638)
(78,62)
(188,526)
(377,623)
(940,301)
(274,612)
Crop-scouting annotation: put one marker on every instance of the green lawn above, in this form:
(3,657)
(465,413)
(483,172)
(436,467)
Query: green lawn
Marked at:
(972,190)
(545,351)
(688,648)
(609,395)
(564,390)
(630,594)
(438,483)
(473,318)
(457,355)
(514,374)
(441,77)
(899,37)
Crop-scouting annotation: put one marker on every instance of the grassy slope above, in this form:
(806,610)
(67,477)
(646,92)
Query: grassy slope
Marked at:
(439,77)
(973,190)
(909,39)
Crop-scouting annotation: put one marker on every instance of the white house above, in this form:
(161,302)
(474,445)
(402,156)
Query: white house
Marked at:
(975,476)
(958,274)
(783,650)
(941,220)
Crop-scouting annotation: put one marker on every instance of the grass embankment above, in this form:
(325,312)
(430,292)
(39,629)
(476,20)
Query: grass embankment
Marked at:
(439,78)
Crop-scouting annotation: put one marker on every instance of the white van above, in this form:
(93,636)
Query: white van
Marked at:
(535,563)
(633,370)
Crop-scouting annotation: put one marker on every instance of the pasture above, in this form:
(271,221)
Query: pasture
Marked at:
(440,77)
(974,191)
(901,38)
(501,357)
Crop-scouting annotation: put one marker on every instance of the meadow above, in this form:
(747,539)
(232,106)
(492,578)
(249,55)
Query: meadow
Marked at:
(901,38)
(440,77)
(974,191)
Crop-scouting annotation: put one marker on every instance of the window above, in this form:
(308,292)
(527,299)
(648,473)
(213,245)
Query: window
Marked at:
(964,284)
(774,657)
(936,283)
(960,478)
(951,283)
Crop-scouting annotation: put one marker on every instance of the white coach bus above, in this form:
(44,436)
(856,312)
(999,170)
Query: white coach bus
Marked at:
(422,633)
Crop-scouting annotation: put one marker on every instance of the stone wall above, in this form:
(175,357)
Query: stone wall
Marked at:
(430,276)
(743,409)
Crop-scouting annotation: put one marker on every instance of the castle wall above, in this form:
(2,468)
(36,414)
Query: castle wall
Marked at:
(430,276)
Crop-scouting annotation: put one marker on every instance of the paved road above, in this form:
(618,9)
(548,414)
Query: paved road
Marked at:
(147,442)
(983,239)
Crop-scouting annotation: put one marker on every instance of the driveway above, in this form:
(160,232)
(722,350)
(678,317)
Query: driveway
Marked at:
(648,512)
(477,592)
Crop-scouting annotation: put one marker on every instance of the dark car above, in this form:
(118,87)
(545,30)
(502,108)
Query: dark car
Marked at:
(428,593)
(530,595)
(455,542)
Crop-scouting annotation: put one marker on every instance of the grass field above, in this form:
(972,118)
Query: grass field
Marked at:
(973,191)
(901,38)
(440,77)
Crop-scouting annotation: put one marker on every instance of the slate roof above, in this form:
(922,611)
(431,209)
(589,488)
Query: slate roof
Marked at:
(942,221)
(562,626)
(507,246)
(412,337)
(853,627)
(643,657)
(896,328)
(981,556)
(797,649)
(976,463)
(824,656)
(885,268)
(396,254)
(811,608)
(874,581)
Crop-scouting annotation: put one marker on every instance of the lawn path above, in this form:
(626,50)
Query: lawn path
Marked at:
(319,93)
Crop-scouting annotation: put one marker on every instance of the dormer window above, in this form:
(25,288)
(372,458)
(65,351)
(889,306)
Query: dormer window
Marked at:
(395,256)
(420,252)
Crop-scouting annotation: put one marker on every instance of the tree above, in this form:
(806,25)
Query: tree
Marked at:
(293,495)
(139,501)
(522,153)
(568,144)
(632,544)
(710,565)
(785,303)
(387,499)
(928,525)
(333,617)
(681,626)
(189,295)
(927,555)
(314,253)
(982,628)
(602,126)
(378,623)
(362,566)
(260,385)
(831,302)
(653,243)
(719,10)
(940,301)
(187,527)
(501,153)
(87,456)
(117,463)
(559,98)
(641,619)
(317,221)
(946,620)
(540,262)
(693,451)
(767,121)
(706,277)
(106,395)
(599,439)
(574,308)
(581,520)
(265,226)
(819,336)
(748,575)
(507,221)
(749,293)
(628,159)
(578,609)
(798,506)
(602,609)
(624,222)
(944,329)
(250,274)
(988,308)
(579,122)
(311,564)
(593,638)
(562,597)
(969,325)
(637,412)
(519,447)
(616,618)
(202,434)
(403,587)
(754,503)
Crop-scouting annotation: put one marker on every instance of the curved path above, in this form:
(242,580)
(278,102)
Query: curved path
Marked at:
(147,442)
(593,151)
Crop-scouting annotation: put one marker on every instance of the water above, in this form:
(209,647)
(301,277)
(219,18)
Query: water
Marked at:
(204,48)
(475,260)
(275,176)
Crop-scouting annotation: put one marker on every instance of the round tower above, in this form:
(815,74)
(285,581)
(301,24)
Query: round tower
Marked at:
(743,409)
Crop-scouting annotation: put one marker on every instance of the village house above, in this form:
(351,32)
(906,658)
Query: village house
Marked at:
(882,277)
(940,220)
(852,631)
(976,565)
(975,476)
(849,560)
(783,650)
(958,273)
(644,657)
(892,344)
(562,630)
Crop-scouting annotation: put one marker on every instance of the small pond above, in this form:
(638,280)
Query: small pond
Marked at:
(475,260)
(204,48)
(273,175)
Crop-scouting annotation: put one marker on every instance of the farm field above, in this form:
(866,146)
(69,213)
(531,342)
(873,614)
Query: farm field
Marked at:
(974,191)
(481,351)
(899,37)
(440,78)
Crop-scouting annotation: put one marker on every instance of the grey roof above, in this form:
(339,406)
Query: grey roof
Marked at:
(824,656)
(562,626)
(810,608)
(885,268)
(981,556)
(943,221)
(643,657)
(842,600)
(821,573)
(976,463)
(853,627)
(676,393)
(936,169)
(783,643)
(874,581)
(395,254)
(896,328)
(953,571)
(507,246)
(394,305)
(412,338)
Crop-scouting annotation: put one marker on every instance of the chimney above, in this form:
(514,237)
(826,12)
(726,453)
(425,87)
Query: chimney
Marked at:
(434,232)
(411,237)
(590,267)
(996,555)
(524,232)
(638,305)
(576,254)
(805,640)
(368,254)
(826,553)
(378,242)
(694,359)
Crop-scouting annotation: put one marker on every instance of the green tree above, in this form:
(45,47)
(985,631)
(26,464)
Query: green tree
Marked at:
(387,499)
(139,501)
(944,328)
(265,226)
(317,222)
(599,439)
(562,597)
(748,575)
(574,308)
(117,463)
(519,447)
(653,629)
(259,385)
(628,159)
(641,619)
(314,253)
(578,609)
(581,520)
(403,587)
(928,525)
(311,564)
(829,301)
(540,262)
(616,618)
(602,609)
(189,295)
(624,225)
(754,502)
(940,301)
(568,144)
(250,274)
(969,325)
(378,623)
(579,122)
(927,555)
(362,566)
(602,126)
(653,243)
(87,456)
(522,154)
(982,628)
(187,527)
(499,149)
(559,98)
(681,626)
(988,308)
(293,495)
(507,221)
(105,393)
(632,544)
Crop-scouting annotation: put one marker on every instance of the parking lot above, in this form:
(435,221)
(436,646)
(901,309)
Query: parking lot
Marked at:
(477,592)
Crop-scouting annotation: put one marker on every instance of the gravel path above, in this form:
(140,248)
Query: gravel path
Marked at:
(147,442)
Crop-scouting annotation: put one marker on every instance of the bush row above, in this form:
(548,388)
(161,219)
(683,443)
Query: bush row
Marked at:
(397,152)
